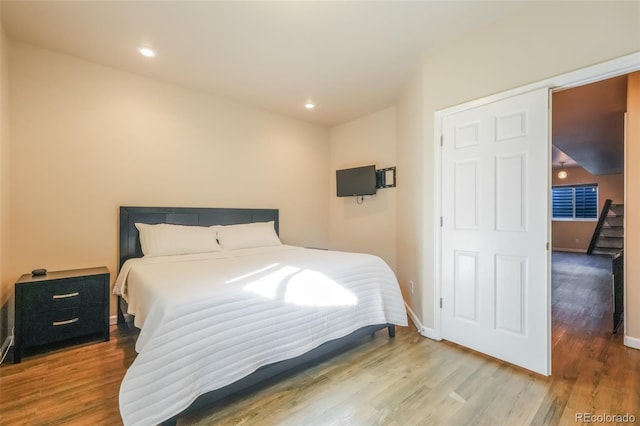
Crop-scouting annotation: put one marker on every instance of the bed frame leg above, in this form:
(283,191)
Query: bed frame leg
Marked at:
(121,319)
(392,330)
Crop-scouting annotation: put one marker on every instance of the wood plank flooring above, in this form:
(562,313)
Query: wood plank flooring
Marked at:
(409,380)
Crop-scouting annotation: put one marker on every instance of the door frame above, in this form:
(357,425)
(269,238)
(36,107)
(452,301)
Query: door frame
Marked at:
(613,68)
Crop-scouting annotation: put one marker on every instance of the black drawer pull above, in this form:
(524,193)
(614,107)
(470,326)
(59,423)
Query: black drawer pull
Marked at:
(71,321)
(64,296)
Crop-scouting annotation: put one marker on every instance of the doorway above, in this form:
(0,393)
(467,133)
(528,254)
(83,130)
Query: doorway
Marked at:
(574,79)
(587,195)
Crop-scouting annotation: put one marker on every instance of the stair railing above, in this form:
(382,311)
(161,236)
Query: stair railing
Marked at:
(601,219)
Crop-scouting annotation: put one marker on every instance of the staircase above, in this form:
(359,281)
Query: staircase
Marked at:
(608,237)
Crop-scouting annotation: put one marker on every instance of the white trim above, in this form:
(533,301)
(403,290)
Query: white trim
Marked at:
(437,241)
(429,333)
(589,74)
(624,240)
(414,318)
(424,331)
(4,349)
(549,234)
(113,319)
(631,342)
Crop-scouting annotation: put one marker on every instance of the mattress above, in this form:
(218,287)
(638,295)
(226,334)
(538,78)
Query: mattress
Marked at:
(208,320)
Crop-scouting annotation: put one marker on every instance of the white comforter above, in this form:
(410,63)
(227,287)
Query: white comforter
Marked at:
(208,320)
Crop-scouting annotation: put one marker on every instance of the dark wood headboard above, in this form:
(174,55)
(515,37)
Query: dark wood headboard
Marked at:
(129,216)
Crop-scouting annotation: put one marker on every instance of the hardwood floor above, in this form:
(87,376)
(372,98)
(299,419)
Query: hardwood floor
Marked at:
(409,380)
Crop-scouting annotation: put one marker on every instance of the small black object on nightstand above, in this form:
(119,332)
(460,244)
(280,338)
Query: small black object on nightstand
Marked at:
(39,272)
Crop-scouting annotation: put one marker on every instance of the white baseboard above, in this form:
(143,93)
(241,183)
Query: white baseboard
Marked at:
(429,333)
(113,319)
(424,331)
(570,250)
(632,342)
(8,342)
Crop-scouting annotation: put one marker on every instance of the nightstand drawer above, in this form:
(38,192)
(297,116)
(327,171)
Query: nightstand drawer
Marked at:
(63,294)
(52,326)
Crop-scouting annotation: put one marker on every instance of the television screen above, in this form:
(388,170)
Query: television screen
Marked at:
(356,181)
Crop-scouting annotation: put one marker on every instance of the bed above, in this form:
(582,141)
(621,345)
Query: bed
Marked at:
(218,321)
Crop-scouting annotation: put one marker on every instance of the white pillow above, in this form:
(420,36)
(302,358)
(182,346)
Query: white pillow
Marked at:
(166,240)
(248,235)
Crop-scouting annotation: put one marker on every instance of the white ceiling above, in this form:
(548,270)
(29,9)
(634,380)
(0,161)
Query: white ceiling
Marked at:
(350,58)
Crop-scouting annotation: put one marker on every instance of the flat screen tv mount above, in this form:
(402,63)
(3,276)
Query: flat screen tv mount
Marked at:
(386,178)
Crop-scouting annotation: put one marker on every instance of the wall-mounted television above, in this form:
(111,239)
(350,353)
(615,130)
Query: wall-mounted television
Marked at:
(356,181)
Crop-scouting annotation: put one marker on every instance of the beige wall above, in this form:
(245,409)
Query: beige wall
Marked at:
(6,286)
(541,40)
(632,207)
(410,194)
(576,235)
(369,227)
(86,139)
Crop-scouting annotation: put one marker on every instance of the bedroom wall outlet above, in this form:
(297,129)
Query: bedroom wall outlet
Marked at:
(411,285)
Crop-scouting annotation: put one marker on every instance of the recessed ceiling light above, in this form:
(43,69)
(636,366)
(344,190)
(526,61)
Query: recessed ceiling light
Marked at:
(145,51)
(309,105)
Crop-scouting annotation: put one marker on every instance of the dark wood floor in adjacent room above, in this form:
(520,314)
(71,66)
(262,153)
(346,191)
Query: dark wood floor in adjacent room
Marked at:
(409,380)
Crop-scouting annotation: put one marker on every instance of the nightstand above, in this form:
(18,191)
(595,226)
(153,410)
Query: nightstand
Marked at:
(61,306)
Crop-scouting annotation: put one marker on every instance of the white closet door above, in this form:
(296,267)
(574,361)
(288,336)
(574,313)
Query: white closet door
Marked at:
(495,259)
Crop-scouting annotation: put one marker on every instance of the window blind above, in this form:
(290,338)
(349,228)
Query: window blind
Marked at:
(574,202)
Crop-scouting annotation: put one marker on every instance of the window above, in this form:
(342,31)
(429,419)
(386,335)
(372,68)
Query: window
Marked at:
(575,202)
